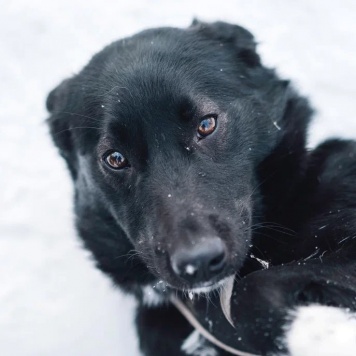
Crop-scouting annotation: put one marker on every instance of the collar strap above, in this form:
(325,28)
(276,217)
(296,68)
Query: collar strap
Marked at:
(184,310)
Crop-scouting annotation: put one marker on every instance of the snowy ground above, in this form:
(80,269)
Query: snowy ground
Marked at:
(52,301)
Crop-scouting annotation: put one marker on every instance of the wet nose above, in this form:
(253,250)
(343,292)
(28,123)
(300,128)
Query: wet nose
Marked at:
(200,262)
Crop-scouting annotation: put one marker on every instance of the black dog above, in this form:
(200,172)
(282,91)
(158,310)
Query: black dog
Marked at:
(189,163)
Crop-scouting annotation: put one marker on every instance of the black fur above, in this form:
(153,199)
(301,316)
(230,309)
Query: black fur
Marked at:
(252,182)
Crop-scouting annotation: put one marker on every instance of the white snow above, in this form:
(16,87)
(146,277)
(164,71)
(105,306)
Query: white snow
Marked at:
(151,297)
(52,300)
(263,263)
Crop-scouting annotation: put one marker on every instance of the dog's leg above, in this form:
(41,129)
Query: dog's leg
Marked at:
(164,331)
(262,302)
(265,304)
(161,330)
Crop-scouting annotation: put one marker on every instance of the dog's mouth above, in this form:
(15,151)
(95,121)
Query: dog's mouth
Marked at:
(208,287)
(203,288)
(160,291)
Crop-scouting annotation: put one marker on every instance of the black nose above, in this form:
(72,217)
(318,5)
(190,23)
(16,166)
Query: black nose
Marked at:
(201,261)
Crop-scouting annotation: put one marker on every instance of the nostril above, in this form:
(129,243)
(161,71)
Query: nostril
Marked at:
(217,263)
(206,259)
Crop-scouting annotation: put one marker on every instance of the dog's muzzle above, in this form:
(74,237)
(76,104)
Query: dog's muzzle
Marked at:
(200,261)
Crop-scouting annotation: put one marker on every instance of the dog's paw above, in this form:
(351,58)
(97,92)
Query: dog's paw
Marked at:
(320,330)
(263,300)
(260,306)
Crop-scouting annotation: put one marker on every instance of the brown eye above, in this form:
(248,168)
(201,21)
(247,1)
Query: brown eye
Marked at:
(116,160)
(207,126)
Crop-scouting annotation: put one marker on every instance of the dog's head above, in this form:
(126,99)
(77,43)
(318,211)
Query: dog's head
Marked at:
(163,131)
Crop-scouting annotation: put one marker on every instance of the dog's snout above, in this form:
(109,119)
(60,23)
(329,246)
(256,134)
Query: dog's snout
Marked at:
(200,261)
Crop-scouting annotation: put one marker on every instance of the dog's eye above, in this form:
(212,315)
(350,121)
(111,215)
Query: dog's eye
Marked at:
(115,160)
(207,126)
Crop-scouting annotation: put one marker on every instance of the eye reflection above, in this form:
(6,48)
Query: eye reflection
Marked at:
(115,160)
(207,126)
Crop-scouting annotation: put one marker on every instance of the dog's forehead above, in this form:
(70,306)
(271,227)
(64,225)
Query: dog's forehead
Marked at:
(153,115)
(161,59)
(147,82)
(158,94)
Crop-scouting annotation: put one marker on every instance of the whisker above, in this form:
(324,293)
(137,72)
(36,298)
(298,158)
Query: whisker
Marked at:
(78,114)
(76,128)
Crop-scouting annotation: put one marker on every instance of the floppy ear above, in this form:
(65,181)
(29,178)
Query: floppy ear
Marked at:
(237,36)
(59,123)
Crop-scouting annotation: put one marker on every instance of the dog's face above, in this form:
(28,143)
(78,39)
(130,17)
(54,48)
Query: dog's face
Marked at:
(165,129)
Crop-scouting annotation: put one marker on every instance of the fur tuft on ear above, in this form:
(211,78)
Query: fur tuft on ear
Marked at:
(59,124)
(239,37)
(57,97)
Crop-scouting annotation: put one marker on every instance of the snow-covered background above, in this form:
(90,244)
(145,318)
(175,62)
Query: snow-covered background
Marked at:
(52,301)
